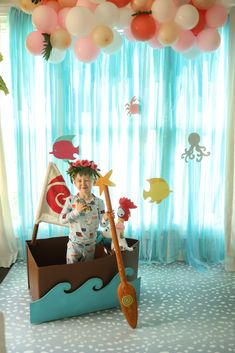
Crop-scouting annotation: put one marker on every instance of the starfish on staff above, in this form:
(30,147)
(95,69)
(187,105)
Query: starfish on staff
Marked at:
(104,181)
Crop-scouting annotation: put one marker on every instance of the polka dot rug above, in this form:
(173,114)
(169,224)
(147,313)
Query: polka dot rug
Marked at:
(181,310)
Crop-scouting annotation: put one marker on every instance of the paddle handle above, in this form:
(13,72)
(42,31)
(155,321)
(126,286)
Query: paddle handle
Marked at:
(114,236)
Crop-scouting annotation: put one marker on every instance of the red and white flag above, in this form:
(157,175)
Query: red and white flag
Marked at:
(53,196)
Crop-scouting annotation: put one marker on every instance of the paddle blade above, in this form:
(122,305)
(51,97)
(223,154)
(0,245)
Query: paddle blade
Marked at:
(128,302)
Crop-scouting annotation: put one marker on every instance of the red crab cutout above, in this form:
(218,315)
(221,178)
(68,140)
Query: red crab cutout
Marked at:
(133,107)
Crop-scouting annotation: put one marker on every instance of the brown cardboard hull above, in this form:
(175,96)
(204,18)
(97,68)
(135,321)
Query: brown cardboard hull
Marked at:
(46,265)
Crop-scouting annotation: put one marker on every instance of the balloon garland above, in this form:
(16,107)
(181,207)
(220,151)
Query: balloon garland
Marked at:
(92,27)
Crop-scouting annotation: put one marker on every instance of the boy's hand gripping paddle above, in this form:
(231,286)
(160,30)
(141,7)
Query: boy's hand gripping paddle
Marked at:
(126,292)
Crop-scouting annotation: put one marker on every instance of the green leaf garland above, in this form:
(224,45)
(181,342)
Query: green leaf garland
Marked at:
(47,46)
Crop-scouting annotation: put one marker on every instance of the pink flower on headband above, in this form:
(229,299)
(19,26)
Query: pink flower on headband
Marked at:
(85,163)
(76,163)
(94,166)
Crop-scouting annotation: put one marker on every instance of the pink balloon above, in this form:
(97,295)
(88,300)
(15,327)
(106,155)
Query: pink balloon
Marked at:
(154,43)
(85,49)
(45,19)
(34,43)
(186,40)
(208,39)
(86,3)
(62,15)
(216,16)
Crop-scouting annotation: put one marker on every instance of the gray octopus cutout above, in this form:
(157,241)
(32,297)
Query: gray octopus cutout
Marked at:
(194,140)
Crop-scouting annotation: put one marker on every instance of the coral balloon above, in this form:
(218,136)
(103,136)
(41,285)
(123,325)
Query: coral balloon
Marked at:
(185,41)
(141,5)
(203,4)
(168,33)
(201,23)
(208,39)
(85,49)
(60,39)
(35,43)
(54,5)
(45,19)
(216,16)
(187,16)
(143,27)
(27,6)
(102,36)
(120,3)
(67,3)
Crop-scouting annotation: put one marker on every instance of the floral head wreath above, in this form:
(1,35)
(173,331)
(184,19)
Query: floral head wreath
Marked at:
(82,167)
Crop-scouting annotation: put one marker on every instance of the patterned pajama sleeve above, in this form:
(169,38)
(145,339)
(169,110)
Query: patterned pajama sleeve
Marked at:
(68,214)
(101,213)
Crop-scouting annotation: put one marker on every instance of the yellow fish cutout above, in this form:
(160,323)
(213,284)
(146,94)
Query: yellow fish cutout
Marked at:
(159,190)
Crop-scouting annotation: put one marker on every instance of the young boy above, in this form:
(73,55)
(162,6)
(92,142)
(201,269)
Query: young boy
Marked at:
(83,212)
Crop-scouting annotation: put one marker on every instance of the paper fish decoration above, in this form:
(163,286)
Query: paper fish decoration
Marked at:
(64,149)
(159,190)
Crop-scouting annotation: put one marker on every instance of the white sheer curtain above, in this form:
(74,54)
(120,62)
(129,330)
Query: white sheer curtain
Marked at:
(230,160)
(8,244)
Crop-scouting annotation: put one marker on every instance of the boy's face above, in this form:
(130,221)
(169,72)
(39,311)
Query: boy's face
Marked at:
(84,183)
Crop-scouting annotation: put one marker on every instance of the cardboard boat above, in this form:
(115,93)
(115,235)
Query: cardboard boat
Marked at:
(60,290)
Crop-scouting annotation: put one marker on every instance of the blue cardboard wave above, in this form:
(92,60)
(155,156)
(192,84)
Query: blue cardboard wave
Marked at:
(91,296)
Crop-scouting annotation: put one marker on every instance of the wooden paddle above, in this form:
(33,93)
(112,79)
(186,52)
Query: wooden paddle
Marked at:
(126,292)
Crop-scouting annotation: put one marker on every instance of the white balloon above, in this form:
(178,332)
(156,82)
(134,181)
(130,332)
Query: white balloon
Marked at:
(125,17)
(79,21)
(227,3)
(56,56)
(107,14)
(187,16)
(181,2)
(192,53)
(163,10)
(97,1)
(115,45)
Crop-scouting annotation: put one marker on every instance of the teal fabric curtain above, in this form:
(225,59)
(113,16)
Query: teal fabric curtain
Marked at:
(177,96)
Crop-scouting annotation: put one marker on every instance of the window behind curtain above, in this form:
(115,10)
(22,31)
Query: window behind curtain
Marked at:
(177,96)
